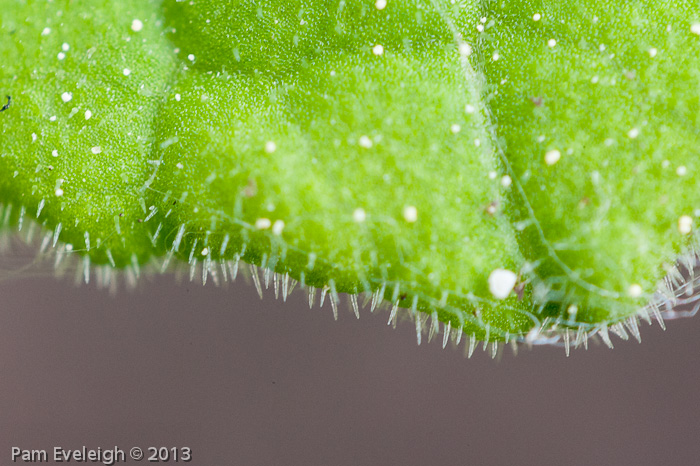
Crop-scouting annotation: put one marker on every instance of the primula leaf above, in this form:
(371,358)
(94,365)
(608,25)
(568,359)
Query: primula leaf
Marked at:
(612,90)
(76,139)
(492,164)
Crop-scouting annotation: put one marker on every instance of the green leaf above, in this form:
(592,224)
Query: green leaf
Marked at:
(612,89)
(76,140)
(359,146)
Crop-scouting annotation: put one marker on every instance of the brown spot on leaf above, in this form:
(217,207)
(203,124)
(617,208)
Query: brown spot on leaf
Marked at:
(491,208)
(537,101)
(251,188)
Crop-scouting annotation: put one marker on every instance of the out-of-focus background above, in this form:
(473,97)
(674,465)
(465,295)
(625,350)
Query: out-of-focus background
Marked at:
(248,382)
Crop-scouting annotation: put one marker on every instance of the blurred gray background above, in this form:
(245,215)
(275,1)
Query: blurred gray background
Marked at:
(248,382)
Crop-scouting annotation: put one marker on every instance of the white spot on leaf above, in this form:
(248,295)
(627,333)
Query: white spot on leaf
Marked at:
(635,290)
(365,142)
(502,282)
(685,224)
(359,215)
(263,223)
(552,157)
(278,227)
(410,214)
